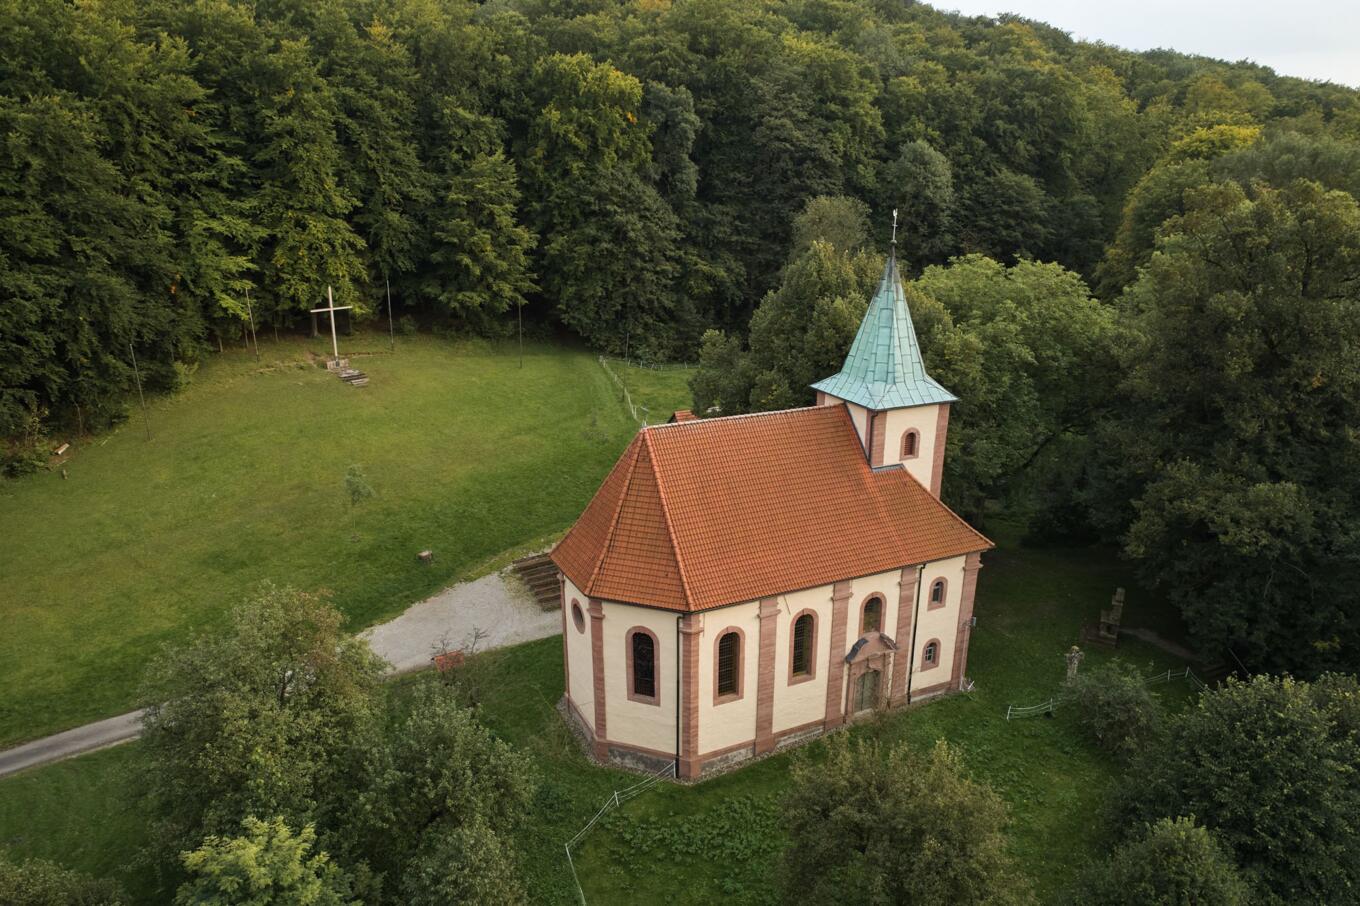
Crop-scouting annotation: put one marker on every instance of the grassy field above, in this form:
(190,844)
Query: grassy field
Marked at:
(722,839)
(243,481)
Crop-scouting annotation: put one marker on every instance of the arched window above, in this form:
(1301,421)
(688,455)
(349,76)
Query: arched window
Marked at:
(800,664)
(727,667)
(577,617)
(930,655)
(642,679)
(938,589)
(871,617)
(911,444)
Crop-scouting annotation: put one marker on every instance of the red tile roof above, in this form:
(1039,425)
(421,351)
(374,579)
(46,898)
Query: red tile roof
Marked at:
(698,514)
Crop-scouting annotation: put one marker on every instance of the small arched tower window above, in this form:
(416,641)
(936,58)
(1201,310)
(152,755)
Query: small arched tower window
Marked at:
(911,444)
(802,645)
(729,661)
(872,618)
(644,665)
(937,594)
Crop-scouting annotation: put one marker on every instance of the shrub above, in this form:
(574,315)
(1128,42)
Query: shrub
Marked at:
(1115,707)
(875,827)
(35,882)
(1175,861)
(407,325)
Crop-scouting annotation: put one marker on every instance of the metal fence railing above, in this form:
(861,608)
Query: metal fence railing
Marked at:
(618,798)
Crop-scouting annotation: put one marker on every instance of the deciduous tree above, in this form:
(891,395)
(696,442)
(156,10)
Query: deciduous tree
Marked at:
(880,827)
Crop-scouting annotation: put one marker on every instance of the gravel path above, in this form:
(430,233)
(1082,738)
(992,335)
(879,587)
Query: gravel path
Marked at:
(498,606)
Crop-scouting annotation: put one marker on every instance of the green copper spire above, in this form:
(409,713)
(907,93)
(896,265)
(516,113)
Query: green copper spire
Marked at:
(884,369)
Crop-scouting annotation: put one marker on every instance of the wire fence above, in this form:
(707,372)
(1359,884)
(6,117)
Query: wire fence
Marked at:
(618,798)
(650,366)
(1019,712)
(627,397)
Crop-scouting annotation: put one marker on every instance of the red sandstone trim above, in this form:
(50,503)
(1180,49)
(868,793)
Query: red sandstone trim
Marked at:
(906,612)
(927,691)
(769,637)
(633,747)
(835,673)
(971,564)
(882,614)
(931,603)
(741,666)
(878,436)
(941,432)
(691,627)
(800,728)
(927,664)
(597,669)
(727,750)
(633,694)
(811,674)
(910,449)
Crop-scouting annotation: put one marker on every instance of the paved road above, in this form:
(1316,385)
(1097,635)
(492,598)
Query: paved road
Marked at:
(93,736)
(498,607)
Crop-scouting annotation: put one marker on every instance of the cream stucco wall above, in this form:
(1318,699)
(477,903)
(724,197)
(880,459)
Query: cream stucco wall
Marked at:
(942,623)
(899,421)
(580,684)
(802,702)
(859,415)
(630,722)
(732,722)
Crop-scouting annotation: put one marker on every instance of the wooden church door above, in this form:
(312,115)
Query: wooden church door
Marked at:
(866,691)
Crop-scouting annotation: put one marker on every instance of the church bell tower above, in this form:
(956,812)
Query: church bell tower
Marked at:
(900,412)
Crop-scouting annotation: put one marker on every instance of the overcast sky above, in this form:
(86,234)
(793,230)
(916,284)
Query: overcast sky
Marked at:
(1313,39)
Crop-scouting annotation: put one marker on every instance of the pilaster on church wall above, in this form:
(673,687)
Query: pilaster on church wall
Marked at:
(734,722)
(634,723)
(580,684)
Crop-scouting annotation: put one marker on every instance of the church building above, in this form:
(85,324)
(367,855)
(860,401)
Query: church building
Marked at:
(743,583)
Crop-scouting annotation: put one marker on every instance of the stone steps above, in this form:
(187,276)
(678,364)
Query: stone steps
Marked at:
(540,574)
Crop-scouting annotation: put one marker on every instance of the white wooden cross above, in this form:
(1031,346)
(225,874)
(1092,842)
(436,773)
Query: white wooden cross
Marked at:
(332,308)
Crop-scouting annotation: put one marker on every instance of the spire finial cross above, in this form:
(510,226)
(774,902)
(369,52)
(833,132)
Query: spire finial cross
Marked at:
(894,233)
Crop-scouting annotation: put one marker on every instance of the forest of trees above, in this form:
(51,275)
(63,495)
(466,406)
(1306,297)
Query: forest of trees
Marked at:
(1138,271)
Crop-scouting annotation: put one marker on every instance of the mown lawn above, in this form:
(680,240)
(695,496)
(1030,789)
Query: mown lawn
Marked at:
(722,839)
(659,392)
(470,455)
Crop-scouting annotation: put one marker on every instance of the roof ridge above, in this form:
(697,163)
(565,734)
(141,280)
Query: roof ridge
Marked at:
(666,518)
(613,520)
